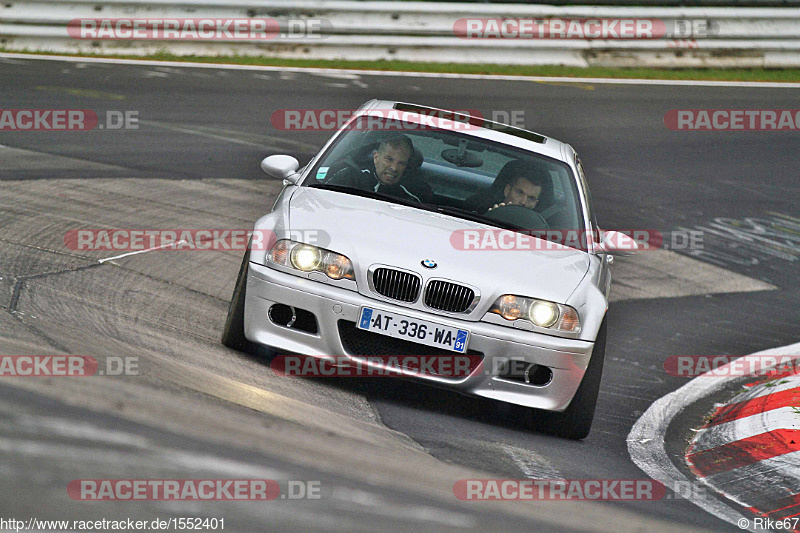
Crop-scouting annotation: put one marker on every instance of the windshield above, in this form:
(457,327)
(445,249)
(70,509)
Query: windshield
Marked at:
(452,173)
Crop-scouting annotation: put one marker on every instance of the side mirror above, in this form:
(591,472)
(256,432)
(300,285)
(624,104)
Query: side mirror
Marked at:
(618,243)
(282,167)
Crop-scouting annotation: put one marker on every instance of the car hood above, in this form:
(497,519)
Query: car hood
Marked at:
(372,232)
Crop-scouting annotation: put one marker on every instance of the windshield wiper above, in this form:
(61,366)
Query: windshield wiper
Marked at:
(366,193)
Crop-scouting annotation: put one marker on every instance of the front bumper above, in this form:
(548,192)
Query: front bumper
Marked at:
(566,358)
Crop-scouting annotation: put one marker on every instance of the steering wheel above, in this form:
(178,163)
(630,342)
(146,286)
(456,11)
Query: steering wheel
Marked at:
(520,216)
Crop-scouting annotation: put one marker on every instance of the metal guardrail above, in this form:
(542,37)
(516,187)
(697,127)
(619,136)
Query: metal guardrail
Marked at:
(425,31)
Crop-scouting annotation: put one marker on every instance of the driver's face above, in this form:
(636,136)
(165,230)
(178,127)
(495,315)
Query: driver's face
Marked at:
(390,163)
(522,192)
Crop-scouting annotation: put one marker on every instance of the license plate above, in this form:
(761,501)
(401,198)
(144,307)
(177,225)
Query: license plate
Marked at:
(412,329)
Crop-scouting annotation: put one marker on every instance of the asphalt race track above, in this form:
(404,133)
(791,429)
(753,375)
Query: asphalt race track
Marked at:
(385,453)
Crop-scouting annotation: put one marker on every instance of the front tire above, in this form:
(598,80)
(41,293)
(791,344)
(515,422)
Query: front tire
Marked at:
(576,421)
(233,332)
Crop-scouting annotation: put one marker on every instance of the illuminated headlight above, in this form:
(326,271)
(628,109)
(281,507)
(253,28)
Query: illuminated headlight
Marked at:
(308,258)
(540,313)
(543,314)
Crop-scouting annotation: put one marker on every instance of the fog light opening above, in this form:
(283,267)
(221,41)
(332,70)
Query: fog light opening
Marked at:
(291,317)
(282,315)
(538,375)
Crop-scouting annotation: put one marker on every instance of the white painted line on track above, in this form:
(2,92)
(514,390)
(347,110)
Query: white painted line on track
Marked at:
(170,245)
(646,439)
(405,74)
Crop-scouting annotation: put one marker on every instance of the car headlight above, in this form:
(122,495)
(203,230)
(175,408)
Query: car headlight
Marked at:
(306,257)
(309,258)
(541,313)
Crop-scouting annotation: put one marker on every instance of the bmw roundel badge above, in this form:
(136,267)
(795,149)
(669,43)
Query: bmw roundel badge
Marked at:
(429,263)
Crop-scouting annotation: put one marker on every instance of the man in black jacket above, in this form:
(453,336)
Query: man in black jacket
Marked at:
(518,183)
(389,162)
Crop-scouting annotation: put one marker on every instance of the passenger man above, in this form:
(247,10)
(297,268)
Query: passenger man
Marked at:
(523,190)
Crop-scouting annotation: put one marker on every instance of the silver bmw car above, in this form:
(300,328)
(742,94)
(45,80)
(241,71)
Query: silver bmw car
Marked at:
(424,233)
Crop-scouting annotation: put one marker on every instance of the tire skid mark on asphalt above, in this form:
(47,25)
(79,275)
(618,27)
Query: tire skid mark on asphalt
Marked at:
(20,283)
